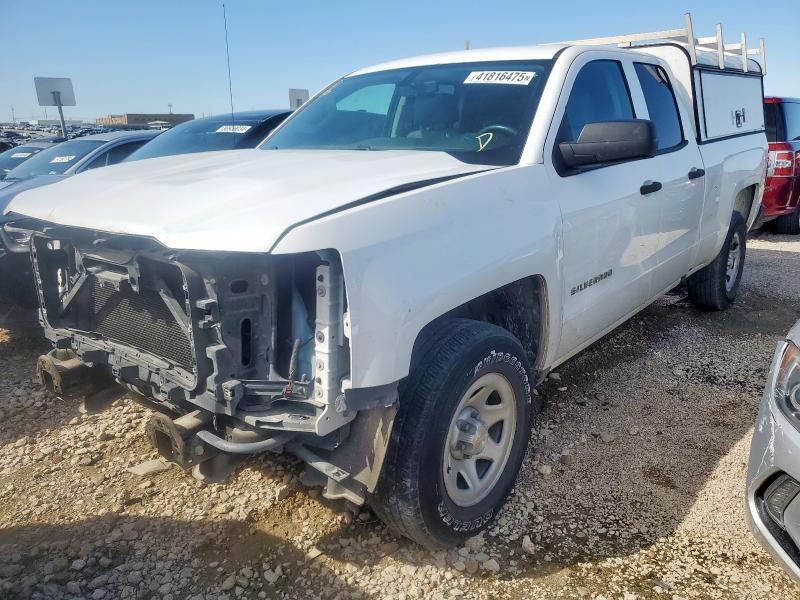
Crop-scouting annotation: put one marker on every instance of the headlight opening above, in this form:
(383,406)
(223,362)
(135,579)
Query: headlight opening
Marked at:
(787,382)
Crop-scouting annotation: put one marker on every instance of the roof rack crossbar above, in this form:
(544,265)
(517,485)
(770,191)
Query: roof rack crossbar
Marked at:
(686,36)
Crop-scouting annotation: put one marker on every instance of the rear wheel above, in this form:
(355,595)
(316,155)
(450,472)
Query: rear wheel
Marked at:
(789,224)
(714,287)
(459,437)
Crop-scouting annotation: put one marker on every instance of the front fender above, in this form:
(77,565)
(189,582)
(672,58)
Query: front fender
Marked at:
(411,258)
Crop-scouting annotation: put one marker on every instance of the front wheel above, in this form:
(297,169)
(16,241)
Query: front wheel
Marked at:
(459,437)
(714,287)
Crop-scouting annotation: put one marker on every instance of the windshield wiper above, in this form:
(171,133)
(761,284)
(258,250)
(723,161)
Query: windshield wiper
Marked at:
(363,147)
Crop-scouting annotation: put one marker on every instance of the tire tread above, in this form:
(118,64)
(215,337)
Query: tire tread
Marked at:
(395,500)
(706,287)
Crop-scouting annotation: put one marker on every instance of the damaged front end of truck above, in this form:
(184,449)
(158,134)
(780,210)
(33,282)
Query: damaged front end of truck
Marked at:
(249,352)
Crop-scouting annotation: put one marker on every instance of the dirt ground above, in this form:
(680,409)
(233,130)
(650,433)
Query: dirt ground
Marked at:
(633,486)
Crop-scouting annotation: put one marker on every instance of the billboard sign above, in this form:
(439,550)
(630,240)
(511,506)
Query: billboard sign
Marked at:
(45,86)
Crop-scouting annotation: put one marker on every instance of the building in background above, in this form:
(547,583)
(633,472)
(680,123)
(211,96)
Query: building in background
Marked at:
(297,97)
(143,119)
(52,122)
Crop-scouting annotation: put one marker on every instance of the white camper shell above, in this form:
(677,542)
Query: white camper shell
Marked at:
(721,81)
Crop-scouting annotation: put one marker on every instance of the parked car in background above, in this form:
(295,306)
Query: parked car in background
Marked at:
(46,166)
(222,132)
(773,473)
(782,193)
(69,158)
(378,288)
(5,145)
(19,154)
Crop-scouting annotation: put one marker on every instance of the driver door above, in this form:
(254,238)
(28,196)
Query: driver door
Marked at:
(611,229)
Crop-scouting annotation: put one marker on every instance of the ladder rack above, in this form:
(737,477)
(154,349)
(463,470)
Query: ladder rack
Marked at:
(686,36)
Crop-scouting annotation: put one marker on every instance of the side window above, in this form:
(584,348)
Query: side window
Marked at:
(599,93)
(99,161)
(115,155)
(791,111)
(119,153)
(773,120)
(661,105)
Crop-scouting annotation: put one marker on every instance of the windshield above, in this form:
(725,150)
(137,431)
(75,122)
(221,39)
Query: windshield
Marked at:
(11,158)
(55,160)
(205,135)
(477,112)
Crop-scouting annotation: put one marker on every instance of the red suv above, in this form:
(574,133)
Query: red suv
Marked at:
(782,193)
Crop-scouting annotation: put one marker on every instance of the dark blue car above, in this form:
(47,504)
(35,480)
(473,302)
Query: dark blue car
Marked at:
(222,132)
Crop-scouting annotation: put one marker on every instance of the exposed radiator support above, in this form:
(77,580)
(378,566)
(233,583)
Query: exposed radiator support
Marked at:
(330,350)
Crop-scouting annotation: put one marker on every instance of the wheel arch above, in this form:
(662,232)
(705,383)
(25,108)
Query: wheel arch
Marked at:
(520,307)
(745,204)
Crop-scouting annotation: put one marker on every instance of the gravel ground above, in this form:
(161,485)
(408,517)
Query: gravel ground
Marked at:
(633,486)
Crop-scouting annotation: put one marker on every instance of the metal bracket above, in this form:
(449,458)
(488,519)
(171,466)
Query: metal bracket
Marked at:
(686,36)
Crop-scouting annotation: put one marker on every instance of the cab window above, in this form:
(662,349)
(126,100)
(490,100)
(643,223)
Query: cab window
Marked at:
(599,93)
(661,105)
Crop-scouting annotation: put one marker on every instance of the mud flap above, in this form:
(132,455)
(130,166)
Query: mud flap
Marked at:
(360,456)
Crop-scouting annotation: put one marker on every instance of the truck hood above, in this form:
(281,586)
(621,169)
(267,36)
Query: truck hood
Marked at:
(234,200)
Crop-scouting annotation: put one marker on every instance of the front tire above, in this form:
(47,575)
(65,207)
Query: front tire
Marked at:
(459,436)
(714,287)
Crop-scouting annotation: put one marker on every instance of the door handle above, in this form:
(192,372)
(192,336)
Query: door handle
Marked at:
(648,187)
(694,173)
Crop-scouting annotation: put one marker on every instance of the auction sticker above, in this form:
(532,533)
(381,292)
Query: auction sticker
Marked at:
(21,154)
(504,77)
(63,159)
(234,129)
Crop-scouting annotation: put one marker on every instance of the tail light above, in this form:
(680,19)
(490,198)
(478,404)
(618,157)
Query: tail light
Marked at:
(781,161)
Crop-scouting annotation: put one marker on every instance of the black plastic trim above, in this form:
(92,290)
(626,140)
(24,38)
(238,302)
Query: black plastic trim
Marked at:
(730,137)
(728,71)
(782,537)
(650,188)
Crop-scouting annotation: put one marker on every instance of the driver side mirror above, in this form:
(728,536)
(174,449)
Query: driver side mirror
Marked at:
(610,141)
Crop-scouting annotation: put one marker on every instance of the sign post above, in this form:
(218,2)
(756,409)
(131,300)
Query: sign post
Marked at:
(55,91)
(57,100)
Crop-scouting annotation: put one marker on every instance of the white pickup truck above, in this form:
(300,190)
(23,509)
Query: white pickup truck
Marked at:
(378,288)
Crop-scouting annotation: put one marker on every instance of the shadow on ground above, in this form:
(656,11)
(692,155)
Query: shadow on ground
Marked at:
(151,557)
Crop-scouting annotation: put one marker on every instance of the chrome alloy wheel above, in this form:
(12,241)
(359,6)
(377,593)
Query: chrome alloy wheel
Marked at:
(734,259)
(479,439)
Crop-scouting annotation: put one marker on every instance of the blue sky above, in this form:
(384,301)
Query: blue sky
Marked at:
(139,56)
